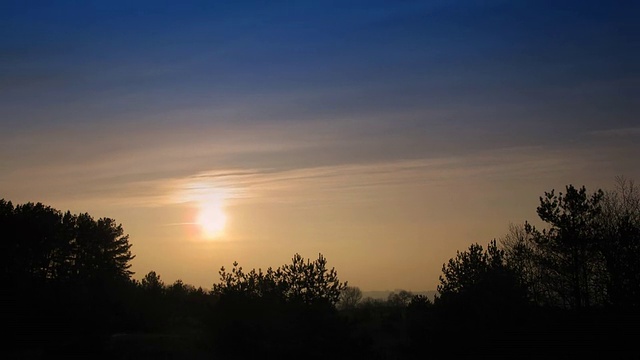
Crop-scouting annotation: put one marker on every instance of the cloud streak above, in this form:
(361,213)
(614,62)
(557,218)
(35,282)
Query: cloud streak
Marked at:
(359,182)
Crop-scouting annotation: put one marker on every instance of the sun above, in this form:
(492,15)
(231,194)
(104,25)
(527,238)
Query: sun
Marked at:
(211,218)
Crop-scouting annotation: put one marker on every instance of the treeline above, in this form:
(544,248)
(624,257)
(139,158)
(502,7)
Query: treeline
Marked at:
(571,289)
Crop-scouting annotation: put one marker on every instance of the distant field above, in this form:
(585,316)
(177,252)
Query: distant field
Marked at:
(383,294)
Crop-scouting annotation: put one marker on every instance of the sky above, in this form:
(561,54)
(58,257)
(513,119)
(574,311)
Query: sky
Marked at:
(385,135)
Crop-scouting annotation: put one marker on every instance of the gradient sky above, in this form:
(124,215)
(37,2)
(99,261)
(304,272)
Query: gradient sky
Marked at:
(384,134)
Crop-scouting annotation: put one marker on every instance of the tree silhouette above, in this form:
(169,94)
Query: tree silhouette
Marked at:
(470,269)
(590,254)
(279,312)
(305,282)
(311,282)
(620,243)
(402,298)
(44,245)
(152,283)
(350,297)
(63,272)
(570,245)
(480,282)
(100,249)
(69,285)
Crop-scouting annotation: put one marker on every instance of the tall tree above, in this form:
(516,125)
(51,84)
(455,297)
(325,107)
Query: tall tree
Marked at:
(589,254)
(620,243)
(32,241)
(523,257)
(569,247)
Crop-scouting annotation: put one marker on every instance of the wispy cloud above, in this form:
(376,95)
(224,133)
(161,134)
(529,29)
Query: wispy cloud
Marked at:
(359,182)
(618,132)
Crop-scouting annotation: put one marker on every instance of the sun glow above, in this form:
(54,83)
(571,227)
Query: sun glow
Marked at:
(211,218)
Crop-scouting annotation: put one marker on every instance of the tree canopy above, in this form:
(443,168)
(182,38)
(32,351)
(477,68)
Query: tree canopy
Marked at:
(42,244)
(304,282)
(589,255)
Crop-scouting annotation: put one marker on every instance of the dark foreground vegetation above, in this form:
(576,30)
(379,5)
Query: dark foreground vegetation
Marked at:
(570,290)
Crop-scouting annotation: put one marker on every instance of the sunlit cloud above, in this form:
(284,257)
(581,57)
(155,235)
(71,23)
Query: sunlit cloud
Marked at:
(349,182)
